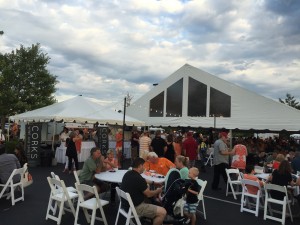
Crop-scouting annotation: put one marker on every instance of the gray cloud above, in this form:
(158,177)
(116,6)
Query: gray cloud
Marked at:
(105,49)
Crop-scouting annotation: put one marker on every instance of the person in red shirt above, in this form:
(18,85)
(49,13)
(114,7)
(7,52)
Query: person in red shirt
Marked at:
(190,149)
(119,140)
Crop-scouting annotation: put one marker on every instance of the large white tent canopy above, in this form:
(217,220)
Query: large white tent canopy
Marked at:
(79,109)
(245,109)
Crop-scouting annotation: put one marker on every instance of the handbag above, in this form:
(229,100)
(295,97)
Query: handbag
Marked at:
(27,179)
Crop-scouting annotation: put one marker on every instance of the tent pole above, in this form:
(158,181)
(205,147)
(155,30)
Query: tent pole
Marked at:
(53,136)
(123,132)
(230,132)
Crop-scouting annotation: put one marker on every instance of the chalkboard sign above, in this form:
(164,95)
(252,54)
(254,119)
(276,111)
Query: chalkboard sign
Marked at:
(33,143)
(102,133)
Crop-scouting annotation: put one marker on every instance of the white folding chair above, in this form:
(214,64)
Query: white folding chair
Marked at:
(210,159)
(59,196)
(203,184)
(76,175)
(230,182)
(246,204)
(70,188)
(269,200)
(90,204)
(129,213)
(8,189)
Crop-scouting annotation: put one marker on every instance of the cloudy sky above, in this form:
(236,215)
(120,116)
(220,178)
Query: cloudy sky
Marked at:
(106,48)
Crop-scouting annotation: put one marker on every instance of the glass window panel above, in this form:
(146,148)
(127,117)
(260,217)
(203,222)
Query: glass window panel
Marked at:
(197,99)
(220,104)
(174,99)
(157,105)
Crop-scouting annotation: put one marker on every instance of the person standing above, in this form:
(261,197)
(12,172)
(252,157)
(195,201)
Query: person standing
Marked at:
(170,153)
(190,148)
(119,141)
(71,151)
(221,160)
(134,144)
(145,142)
(138,189)
(158,145)
(239,157)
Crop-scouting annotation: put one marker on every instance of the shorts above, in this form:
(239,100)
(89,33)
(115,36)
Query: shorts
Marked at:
(104,187)
(146,210)
(190,208)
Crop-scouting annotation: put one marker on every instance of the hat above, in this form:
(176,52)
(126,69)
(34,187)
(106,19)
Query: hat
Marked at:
(223,134)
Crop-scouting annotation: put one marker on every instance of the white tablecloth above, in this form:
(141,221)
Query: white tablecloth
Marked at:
(60,153)
(117,176)
(127,145)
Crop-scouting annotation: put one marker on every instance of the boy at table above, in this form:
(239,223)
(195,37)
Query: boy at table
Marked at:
(250,176)
(137,187)
(94,164)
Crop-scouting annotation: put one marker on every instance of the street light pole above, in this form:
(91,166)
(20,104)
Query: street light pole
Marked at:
(123,132)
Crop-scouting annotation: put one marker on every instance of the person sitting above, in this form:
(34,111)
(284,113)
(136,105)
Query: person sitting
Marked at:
(94,164)
(20,154)
(281,176)
(8,162)
(159,165)
(278,160)
(110,162)
(249,175)
(190,207)
(137,187)
(296,162)
(181,163)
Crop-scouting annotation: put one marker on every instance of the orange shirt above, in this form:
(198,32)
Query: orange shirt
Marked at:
(252,189)
(177,148)
(162,166)
(119,143)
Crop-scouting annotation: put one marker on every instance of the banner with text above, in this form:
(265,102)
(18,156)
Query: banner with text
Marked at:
(102,133)
(33,143)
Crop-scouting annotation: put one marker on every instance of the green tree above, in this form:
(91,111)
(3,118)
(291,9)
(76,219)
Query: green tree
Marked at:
(25,82)
(290,101)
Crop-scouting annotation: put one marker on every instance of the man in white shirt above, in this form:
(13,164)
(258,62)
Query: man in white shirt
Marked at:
(145,142)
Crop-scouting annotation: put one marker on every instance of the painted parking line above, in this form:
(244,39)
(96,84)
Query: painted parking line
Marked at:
(222,200)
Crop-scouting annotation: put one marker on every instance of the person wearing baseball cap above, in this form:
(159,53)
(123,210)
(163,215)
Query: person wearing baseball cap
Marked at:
(221,160)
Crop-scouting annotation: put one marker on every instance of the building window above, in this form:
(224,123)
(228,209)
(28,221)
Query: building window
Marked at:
(197,99)
(220,104)
(157,105)
(174,99)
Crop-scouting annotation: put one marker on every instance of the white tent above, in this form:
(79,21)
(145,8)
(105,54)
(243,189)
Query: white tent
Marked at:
(192,97)
(79,109)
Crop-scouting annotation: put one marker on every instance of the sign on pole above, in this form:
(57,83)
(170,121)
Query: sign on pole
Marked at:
(102,133)
(33,143)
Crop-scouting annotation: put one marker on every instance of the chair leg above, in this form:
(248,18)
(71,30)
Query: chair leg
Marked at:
(61,209)
(203,206)
(103,216)
(76,215)
(93,216)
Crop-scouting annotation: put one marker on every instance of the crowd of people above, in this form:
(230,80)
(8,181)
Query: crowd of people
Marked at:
(162,152)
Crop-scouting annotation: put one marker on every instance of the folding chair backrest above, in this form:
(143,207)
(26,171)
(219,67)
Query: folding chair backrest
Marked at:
(250,182)
(242,175)
(285,202)
(76,175)
(83,188)
(233,171)
(203,184)
(131,213)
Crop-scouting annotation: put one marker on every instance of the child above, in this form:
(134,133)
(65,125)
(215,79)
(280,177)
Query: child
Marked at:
(191,205)
(250,176)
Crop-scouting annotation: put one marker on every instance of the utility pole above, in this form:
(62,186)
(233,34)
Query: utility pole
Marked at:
(124,113)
